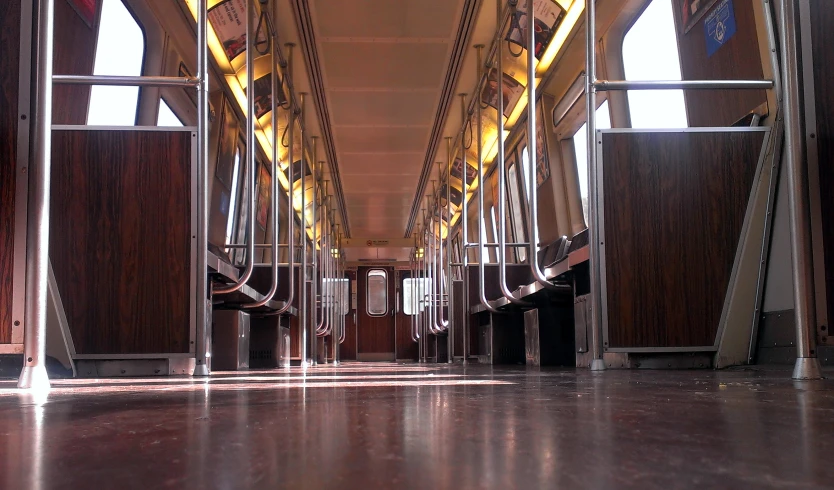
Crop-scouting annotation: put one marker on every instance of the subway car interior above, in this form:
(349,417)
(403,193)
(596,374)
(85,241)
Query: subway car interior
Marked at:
(386,244)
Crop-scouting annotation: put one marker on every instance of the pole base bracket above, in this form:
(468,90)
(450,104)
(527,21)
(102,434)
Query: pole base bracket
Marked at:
(807,368)
(34,378)
(597,365)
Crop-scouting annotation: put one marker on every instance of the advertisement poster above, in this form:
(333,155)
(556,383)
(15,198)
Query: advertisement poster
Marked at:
(692,11)
(548,17)
(227,146)
(264,182)
(471,172)
(511,90)
(456,195)
(542,162)
(229,22)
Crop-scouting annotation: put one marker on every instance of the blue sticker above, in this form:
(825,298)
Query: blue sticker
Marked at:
(720,25)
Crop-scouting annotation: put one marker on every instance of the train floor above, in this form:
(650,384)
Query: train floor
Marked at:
(423,426)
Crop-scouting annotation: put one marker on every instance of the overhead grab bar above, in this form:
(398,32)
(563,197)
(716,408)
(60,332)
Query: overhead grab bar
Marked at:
(533,198)
(251,162)
(502,176)
(612,85)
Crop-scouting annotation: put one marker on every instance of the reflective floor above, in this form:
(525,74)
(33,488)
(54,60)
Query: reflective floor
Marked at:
(387,426)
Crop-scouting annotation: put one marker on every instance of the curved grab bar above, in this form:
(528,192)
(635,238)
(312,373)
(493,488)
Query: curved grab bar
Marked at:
(251,162)
(481,281)
(502,184)
(440,322)
(273,288)
(533,198)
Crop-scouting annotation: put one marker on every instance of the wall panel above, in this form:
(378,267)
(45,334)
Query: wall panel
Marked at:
(674,207)
(120,238)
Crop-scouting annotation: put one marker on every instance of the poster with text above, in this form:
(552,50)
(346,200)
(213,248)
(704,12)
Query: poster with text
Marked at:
(511,91)
(548,17)
(228,19)
(457,171)
(693,11)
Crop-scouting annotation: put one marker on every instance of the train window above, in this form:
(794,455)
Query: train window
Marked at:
(492,215)
(515,204)
(580,148)
(230,219)
(525,174)
(488,253)
(377,292)
(166,116)
(650,52)
(120,50)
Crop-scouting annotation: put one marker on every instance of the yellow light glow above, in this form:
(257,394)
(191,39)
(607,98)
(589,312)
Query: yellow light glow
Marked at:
(561,35)
(214,44)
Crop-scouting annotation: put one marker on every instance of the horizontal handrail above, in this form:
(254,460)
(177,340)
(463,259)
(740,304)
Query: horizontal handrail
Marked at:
(496,245)
(258,245)
(610,85)
(126,81)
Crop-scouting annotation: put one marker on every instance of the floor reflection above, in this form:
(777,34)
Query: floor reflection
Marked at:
(380,426)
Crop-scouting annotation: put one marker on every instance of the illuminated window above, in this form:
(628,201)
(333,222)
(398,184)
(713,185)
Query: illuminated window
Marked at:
(165,116)
(120,49)
(580,148)
(230,219)
(525,175)
(486,252)
(377,291)
(515,205)
(650,52)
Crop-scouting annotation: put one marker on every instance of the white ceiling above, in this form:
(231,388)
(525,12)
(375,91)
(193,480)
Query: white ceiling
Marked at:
(383,63)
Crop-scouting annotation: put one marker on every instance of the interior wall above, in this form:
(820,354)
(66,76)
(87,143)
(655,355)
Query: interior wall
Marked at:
(735,60)
(778,291)
(74,54)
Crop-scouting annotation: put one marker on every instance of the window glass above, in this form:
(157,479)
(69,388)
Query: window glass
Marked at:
(650,52)
(377,292)
(525,166)
(580,148)
(230,219)
(165,116)
(515,205)
(487,252)
(120,49)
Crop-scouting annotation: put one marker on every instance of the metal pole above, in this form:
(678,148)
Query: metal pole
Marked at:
(34,376)
(533,198)
(464,217)
(314,289)
(450,338)
(133,81)
(502,178)
(305,360)
(807,365)
(611,85)
(597,364)
(251,161)
(202,342)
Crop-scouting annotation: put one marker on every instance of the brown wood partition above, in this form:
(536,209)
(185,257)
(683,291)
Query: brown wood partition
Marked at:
(822,39)
(9,93)
(674,207)
(407,349)
(121,239)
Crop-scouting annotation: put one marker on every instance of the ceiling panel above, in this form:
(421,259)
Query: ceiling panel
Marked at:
(380,107)
(384,65)
(385,18)
(382,139)
(382,163)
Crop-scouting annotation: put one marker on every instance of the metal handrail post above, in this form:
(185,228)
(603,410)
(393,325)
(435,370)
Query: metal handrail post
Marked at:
(502,179)
(807,365)
(533,198)
(305,360)
(33,376)
(202,341)
(597,364)
(251,161)
(481,280)
(450,339)
(464,251)
(273,288)
(442,323)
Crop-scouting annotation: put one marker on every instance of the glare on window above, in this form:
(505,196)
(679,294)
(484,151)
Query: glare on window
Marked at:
(166,116)
(515,204)
(650,52)
(120,49)
(580,148)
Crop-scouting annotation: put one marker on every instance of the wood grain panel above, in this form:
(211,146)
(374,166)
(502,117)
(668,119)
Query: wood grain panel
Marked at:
(674,208)
(406,347)
(74,54)
(9,69)
(822,38)
(375,333)
(120,238)
(738,59)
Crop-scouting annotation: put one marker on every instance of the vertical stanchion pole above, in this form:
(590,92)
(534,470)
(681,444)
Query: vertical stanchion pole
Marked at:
(597,364)
(807,364)
(305,361)
(202,342)
(34,376)
(464,252)
(450,274)
(314,289)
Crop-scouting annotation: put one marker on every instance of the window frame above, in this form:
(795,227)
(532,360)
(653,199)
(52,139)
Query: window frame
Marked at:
(144,31)
(368,292)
